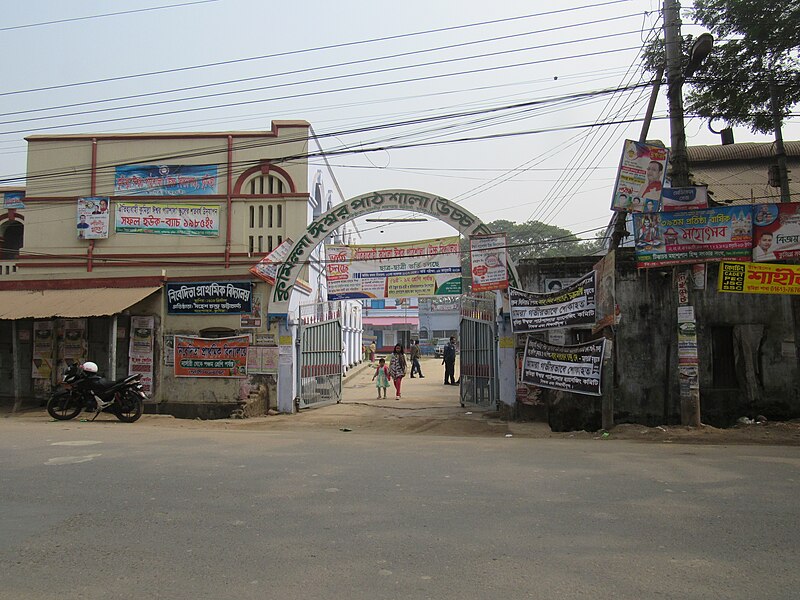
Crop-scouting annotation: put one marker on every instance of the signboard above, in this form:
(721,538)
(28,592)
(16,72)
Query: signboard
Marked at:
(230,298)
(776,232)
(13,200)
(262,360)
(487,256)
(686,237)
(267,267)
(575,369)
(204,357)
(93,218)
(165,180)
(640,179)
(752,278)
(421,268)
(167,219)
(684,198)
(573,305)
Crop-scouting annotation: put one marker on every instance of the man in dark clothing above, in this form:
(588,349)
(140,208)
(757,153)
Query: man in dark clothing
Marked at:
(415,354)
(449,362)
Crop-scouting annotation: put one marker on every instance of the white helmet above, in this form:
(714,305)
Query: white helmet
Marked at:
(89,367)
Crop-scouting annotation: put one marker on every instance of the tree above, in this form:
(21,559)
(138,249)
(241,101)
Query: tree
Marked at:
(755,45)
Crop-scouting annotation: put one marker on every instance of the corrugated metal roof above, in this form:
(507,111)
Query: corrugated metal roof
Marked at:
(89,302)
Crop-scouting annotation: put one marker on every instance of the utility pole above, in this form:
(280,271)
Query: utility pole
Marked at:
(688,378)
(780,151)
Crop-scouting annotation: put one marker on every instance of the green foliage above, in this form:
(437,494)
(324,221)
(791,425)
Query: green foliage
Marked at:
(756,42)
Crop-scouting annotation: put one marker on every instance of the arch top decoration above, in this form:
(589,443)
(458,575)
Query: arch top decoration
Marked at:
(440,208)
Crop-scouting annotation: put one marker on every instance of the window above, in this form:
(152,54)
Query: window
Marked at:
(269,242)
(260,244)
(269,216)
(280,215)
(252,216)
(260,216)
(280,240)
(250,245)
(723,359)
(11,240)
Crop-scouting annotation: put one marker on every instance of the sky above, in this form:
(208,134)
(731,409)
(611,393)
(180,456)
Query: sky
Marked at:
(517,110)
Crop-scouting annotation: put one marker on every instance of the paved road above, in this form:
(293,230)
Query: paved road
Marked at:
(107,510)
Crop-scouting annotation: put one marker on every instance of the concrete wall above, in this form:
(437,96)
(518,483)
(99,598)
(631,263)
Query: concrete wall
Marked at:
(748,336)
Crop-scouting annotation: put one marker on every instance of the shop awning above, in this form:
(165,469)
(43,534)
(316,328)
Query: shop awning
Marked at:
(89,302)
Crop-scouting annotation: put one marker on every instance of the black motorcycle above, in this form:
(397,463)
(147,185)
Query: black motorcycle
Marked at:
(82,390)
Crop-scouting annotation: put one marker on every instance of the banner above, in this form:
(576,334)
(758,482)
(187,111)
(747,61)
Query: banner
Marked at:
(229,298)
(573,305)
(167,219)
(684,198)
(575,369)
(691,236)
(776,232)
(267,267)
(487,256)
(13,200)
(203,357)
(752,278)
(165,180)
(421,268)
(140,351)
(93,218)
(640,178)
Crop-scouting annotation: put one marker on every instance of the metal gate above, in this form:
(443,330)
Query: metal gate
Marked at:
(478,351)
(320,354)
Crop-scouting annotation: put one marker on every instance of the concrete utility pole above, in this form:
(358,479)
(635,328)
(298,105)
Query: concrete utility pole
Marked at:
(679,158)
(780,151)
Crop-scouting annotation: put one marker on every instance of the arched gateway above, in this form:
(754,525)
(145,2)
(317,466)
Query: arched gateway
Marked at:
(480,383)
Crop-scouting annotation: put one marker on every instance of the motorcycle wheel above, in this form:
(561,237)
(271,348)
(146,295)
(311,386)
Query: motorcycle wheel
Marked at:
(129,407)
(64,406)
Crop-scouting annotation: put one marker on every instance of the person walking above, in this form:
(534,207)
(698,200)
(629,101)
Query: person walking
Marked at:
(382,375)
(415,354)
(397,367)
(449,362)
(372,349)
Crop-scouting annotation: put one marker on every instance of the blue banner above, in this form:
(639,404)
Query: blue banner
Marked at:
(165,180)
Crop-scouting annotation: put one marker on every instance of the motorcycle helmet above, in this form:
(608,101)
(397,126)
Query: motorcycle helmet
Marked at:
(89,367)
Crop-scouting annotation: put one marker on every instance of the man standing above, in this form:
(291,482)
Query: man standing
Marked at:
(449,362)
(415,354)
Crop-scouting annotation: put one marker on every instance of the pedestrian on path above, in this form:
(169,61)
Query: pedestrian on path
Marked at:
(382,376)
(372,349)
(397,367)
(449,362)
(415,354)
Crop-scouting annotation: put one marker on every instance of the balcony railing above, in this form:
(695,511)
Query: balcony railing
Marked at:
(7,267)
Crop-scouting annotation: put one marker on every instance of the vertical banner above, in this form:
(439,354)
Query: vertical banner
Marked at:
(488,266)
(43,346)
(606,292)
(140,351)
(640,178)
(93,218)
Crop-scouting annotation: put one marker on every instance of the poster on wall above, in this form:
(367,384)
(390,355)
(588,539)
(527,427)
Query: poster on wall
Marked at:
(691,236)
(13,200)
(167,219)
(205,357)
(165,180)
(488,266)
(267,267)
(571,306)
(421,268)
(759,278)
(43,350)
(203,298)
(640,178)
(140,351)
(575,369)
(263,360)
(93,218)
(252,320)
(776,232)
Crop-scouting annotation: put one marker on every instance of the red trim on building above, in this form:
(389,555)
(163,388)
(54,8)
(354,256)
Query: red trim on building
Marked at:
(264,168)
(77,284)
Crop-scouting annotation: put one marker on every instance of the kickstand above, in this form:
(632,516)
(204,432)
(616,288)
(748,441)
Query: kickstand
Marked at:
(99,410)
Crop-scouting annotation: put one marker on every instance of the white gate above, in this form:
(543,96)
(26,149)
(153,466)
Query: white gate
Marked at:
(320,354)
(478,352)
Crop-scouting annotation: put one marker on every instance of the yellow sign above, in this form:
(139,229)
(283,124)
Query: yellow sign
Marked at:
(758,278)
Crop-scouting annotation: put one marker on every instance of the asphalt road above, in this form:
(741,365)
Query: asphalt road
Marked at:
(108,510)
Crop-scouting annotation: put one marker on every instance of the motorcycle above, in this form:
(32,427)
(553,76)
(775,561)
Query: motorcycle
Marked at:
(83,389)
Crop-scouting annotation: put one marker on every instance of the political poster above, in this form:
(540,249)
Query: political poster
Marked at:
(487,255)
(575,369)
(140,350)
(206,357)
(93,218)
(640,178)
(421,268)
(691,236)
(776,232)
(571,306)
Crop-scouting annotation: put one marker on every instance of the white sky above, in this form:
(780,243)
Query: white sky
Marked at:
(562,176)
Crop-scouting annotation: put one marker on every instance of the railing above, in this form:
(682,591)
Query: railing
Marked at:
(8,267)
